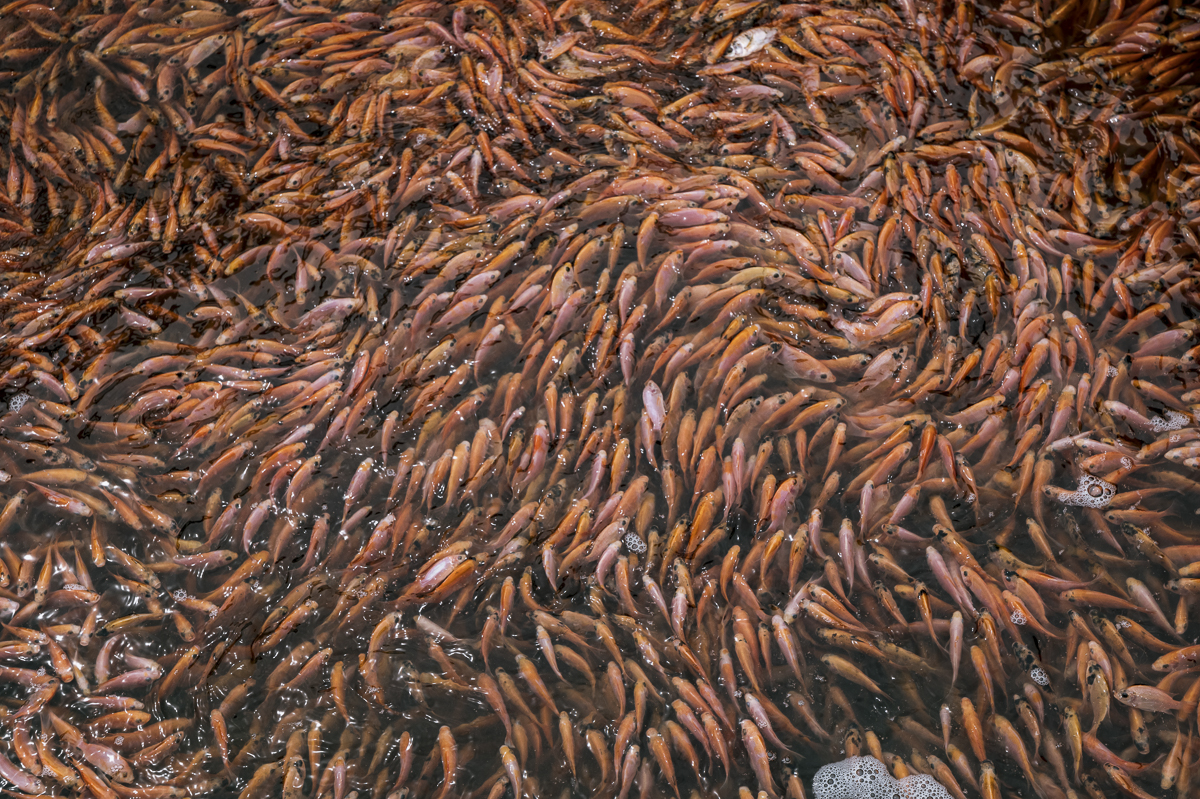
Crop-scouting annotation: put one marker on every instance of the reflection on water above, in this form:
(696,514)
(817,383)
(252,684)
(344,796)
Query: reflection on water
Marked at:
(606,399)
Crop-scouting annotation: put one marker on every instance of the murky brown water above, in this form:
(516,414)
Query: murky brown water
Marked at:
(473,399)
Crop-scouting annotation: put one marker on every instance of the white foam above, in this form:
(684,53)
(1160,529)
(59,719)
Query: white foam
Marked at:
(1039,676)
(634,542)
(1171,420)
(1091,493)
(864,777)
(18,401)
(860,777)
(921,786)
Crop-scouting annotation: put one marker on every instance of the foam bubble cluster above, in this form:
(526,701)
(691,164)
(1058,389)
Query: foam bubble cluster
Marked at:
(864,777)
(921,786)
(1039,676)
(634,543)
(859,777)
(1171,420)
(18,402)
(1091,493)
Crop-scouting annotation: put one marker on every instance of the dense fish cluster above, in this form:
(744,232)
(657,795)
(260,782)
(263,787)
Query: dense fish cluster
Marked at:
(488,398)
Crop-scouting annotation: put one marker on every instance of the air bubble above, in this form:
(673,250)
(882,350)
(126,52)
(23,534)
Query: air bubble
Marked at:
(1018,617)
(1039,676)
(634,543)
(18,402)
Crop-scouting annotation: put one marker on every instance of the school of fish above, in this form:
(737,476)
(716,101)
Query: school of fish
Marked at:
(610,398)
